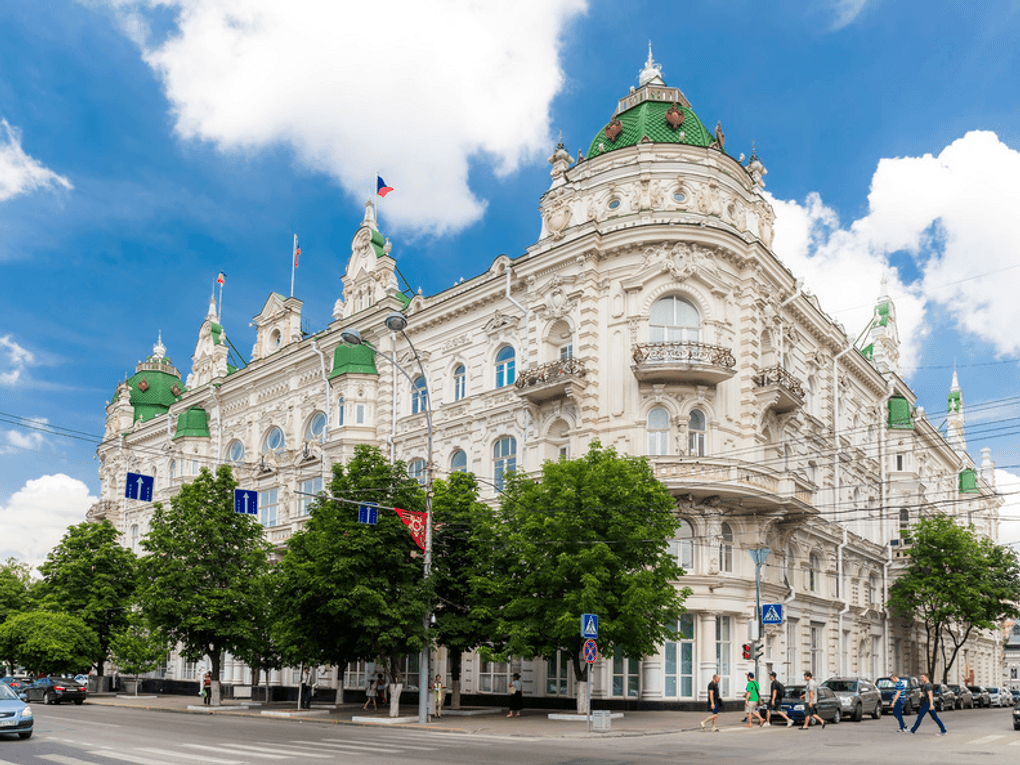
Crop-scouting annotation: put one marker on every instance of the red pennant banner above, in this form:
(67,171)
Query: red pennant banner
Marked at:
(415,522)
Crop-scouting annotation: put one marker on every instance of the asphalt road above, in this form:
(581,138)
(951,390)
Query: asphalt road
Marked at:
(70,735)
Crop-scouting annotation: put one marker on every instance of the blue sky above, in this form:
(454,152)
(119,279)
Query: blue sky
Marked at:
(145,147)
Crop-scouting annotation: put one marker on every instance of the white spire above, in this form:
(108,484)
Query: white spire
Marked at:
(158,350)
(369,219)
(652,73)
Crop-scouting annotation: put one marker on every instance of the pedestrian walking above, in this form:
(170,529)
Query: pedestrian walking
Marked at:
(927,707)
(370,692)
(382,683)
(306,694)
(777,691)
(752,698)
(439,690)
(516,695)
(811,701)
(715,705)
(898,700)
(207,688)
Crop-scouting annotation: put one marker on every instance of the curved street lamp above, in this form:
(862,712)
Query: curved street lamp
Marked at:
(397,322)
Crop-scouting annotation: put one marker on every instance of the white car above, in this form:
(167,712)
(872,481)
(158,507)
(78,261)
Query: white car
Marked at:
(1000,699)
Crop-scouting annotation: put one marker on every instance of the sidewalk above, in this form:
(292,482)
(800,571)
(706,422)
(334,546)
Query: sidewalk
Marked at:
(533,723)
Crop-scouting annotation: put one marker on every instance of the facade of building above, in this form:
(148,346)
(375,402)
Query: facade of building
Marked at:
(652,315)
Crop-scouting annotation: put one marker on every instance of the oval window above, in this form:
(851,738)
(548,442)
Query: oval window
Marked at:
(614,204)
(679,196)
(236,451)
(273,441)
(317,426)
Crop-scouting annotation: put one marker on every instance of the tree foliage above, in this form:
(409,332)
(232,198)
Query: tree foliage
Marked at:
(91,575)
(590,536)
(357,591)
(199,581)
(15,588)
(46,641)
(138,648)
(956,582)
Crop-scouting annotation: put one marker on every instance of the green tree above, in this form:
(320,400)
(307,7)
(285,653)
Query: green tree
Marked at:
(267,619)
(591,535)
(357,591)
(45,641)
(91,575)
(138,649)
(15,588)
(461,570)
(198,582)
(955,582)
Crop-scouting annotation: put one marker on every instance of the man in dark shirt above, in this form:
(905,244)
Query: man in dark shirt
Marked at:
(776,693)
(714,704)
(927,707)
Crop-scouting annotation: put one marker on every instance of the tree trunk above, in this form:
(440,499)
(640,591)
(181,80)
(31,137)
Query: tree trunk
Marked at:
(455,666)
(581,672)
(339,700)
(395,689)
(214,661)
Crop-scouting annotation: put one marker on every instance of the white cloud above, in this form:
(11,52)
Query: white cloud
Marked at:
(13,360)
(1008,484)
(412,90)
(12,441)
(847,12)
(37,516)
(20,173)
(952,213)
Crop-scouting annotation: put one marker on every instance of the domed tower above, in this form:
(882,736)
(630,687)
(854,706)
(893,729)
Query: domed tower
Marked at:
(155,385)
(955,417)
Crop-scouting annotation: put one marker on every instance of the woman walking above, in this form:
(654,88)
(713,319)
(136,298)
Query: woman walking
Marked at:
(516,695)
(370,694)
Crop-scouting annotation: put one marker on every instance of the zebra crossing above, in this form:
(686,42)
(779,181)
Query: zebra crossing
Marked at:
(330,748)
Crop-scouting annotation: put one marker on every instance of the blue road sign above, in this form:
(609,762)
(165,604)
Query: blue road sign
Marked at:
(368,512)
(246,501)
(139,486)
(591,651)
(771,613)
(589,626)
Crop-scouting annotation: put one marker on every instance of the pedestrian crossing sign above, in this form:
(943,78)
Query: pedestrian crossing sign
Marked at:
(589,626)
(772,613)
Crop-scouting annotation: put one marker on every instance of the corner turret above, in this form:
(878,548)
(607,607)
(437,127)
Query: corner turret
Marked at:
(209,360)
(884,348)
(955,419)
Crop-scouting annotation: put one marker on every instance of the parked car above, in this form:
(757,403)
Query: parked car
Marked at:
(1016,695)
(981,697)
(793,704)
(18,682)
(53,690)
(998,699)
(857,696)
(945,699)
(1016,716)
(964,698)
(15,714)
(912,698)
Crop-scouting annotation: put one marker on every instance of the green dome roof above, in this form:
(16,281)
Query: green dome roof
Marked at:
(359,359)
(647,120)
(192,423)
(153,390)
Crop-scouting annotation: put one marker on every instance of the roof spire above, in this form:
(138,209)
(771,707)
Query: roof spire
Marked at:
(369,219)
(159,350)
(652,73)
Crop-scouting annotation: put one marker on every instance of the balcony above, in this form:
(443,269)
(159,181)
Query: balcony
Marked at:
(757,487)
(781,391)
(549,381)
(683,362)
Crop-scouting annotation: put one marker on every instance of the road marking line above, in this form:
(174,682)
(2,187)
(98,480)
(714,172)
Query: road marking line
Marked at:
(1014,743)
(212,760)
(268,747)
(984,740)
(364,747)
(63,760)
(224,750)
(138,760)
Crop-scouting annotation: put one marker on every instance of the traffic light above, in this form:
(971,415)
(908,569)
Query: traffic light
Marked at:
(759,649)
(747,650)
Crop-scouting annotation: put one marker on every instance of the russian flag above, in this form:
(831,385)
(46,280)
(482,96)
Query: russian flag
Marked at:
(381,187)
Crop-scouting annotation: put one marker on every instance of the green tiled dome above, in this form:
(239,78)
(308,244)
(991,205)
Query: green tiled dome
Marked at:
(359,359)
(648,120)
(193,423)
(153,391)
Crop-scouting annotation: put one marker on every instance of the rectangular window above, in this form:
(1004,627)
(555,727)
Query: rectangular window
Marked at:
(679,660)
(566,352)
(722,653)
(899,462)
(791,648)
(557,677)
(565,452)
(189,670)
(817,646)
(626,675)
(311,486)
(359,414)
(194,467)
(268,507)
(493,677)
(340,409)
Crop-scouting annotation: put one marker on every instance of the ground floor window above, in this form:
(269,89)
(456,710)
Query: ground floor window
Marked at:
(557,675)
(311,486)
(817,662)
(626,675)
(493,677)
(723,629)
(679,660)
(269,505)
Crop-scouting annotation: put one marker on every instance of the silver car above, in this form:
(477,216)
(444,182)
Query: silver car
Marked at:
(857,696)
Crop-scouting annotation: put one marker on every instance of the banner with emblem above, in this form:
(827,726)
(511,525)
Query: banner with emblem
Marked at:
(415,522)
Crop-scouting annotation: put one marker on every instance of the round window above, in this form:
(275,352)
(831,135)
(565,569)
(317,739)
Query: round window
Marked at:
(236,451)
(679,196)
(614,204)
(317,426)
(274,441)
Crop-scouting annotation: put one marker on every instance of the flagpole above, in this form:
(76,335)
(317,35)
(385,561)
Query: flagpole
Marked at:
(293,262)
(219,311)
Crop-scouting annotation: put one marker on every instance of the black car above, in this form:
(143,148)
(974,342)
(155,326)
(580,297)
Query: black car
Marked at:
(945,699)
(911,700)
(964,698)
(53,690)
(980,694)
(1016,717)
(793,704)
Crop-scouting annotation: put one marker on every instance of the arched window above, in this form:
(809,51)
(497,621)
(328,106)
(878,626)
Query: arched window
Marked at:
(872,590)
(340,412)
(505,373)
(904,518)
(274,441)
(658,432)
(674,319)
(812,582)
(134,537)
(316,427)
(768,350)
(458,462)
(235,452)
(504,459)
(416,470)
(696,431)
(459,382)
(173,469)
(419,395)
(683,545)
(726,550)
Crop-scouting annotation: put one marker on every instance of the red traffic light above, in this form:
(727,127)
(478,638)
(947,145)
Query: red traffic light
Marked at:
(747,650)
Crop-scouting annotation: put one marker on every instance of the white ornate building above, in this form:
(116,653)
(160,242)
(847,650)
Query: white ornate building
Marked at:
(652,315)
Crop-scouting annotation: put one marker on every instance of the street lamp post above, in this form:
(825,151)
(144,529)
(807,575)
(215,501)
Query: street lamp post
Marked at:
(397,322)
(758,555)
